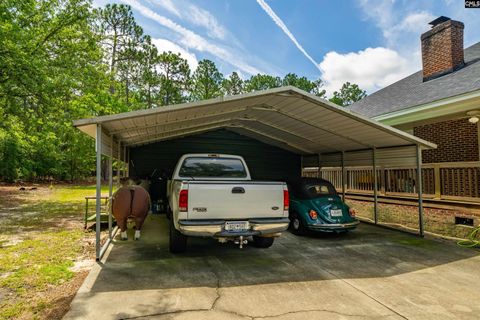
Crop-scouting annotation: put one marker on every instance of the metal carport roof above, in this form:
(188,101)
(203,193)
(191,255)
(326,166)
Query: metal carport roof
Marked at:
(286,117)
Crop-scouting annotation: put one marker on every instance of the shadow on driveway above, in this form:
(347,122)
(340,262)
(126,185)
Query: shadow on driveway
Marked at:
(368,252)
(370,272)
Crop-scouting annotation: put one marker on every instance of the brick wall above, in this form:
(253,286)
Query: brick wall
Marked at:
(457,141)
(442,49)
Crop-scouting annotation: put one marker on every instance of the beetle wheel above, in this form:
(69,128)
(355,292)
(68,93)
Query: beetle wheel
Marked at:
(296,225)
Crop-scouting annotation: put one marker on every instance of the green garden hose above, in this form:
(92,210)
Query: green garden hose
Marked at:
(471,242)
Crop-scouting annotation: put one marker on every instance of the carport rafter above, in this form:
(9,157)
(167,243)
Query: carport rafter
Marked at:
(219,124)
(363,119)
(276,139)
(273,109)
(289,132)
(180,133)
(210,115)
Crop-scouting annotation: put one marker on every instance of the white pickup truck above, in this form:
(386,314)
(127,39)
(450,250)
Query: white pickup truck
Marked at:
(212,195)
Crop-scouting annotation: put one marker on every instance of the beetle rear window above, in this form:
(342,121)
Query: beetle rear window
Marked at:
(320,189)
(212,167)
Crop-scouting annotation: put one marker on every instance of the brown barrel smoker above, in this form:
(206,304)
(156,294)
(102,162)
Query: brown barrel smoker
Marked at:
(130,202)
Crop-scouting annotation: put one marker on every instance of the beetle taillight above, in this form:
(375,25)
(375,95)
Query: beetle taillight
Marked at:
(286,200)
(183,201)
(313,214)
(352,212)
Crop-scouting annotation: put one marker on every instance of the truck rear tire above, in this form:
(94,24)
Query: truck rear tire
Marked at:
(178,241)
(262,242)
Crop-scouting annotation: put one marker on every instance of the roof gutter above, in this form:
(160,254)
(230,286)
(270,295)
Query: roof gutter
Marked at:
(457,104)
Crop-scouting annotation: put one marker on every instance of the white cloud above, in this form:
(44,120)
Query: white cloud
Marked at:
(205,19)
(371,69)
(375,68)
(196,15)
(167,45)
(192,40)
(168,5)
(285,29)
(406,33)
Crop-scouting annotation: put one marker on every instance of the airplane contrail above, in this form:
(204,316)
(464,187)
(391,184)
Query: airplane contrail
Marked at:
(284,28)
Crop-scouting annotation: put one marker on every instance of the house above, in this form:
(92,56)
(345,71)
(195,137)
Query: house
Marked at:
(441,104)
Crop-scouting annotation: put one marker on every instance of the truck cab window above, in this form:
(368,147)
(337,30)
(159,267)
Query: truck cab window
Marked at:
(212,167)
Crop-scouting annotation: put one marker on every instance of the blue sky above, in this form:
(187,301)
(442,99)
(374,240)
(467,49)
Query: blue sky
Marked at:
(369,42)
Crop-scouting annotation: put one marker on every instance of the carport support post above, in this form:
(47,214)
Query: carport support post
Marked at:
(420,191)
(119,161)
(128,161)
(343,176)
(125,161)
(375,185)
(319,162)
(110,188)
(98,143)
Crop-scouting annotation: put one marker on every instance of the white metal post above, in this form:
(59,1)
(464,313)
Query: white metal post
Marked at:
(301,166)
(128,161)
(343,176)
(420,191)
(375,185)
(124,161)
(119,161)
(99,190)
(319,171)
(110,188)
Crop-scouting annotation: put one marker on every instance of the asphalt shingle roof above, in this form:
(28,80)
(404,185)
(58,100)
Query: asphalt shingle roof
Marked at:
(412,91)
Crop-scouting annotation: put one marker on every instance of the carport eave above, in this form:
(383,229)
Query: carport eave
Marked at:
(181,106)
(88,126)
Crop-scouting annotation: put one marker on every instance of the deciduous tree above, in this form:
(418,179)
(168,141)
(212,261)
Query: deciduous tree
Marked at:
(348,94)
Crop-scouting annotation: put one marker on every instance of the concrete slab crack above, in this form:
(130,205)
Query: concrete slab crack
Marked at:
(217,291)
(371,297)
(164,313)
(317,310)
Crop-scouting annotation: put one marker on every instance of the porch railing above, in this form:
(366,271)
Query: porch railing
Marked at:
(449,180)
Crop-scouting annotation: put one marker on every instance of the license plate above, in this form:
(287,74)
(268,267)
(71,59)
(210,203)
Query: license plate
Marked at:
(237,225)
(336,213)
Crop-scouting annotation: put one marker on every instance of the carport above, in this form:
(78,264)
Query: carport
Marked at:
(311,131)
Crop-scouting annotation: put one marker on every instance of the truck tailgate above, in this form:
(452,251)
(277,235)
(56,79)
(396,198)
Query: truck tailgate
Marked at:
(232,200)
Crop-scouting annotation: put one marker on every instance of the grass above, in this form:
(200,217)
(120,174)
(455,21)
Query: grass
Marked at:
(41,237)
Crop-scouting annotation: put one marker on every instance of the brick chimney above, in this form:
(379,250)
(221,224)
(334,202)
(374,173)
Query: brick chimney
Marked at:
(442,48)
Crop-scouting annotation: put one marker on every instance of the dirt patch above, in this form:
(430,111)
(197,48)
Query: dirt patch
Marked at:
(30,219)
(60,297)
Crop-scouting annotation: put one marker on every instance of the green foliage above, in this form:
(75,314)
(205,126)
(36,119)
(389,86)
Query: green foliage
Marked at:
(206,81)
(233,85)
(313,87)
(174,78)
(348,94)
(262,82)
(60,60)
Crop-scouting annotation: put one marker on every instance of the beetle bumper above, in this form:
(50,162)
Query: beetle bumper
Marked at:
(334,227)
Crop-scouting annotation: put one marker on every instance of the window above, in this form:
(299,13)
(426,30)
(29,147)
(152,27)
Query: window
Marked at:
(212,167)
(321,189)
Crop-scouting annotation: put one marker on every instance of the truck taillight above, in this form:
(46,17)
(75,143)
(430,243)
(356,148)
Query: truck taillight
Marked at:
(183,200)
(286,200)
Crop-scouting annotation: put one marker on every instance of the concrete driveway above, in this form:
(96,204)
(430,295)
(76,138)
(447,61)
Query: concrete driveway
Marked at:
(369,273)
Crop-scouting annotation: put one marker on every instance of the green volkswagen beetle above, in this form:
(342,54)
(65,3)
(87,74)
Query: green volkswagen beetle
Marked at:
(316,206)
